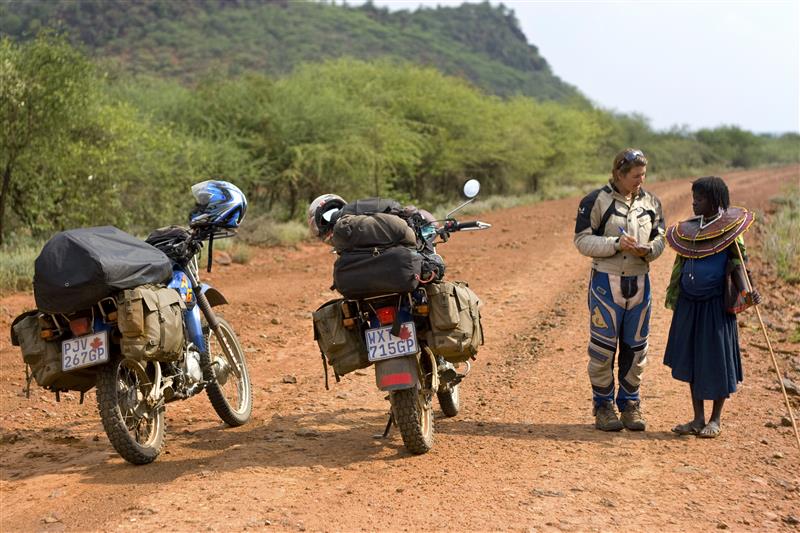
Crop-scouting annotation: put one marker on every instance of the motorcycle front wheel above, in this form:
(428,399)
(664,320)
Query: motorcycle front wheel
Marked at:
(449,400)
(133,421)
(413,413)
(230,395)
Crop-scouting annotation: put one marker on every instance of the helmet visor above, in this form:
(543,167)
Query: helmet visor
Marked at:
(201,193)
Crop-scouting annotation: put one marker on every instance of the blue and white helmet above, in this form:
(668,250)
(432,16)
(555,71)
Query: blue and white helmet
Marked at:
(218,203)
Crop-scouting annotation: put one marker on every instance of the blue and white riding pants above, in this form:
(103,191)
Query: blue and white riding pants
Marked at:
(619,324)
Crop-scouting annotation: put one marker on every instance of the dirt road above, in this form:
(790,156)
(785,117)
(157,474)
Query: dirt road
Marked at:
(522,455)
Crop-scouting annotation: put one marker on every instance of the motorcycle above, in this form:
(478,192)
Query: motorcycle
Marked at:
(88,347)
(401,334)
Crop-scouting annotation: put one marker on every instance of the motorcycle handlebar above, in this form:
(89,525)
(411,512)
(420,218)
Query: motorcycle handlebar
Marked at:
(452,225)
(468,225)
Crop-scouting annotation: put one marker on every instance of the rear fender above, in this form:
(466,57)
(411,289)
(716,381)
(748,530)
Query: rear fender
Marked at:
(213,296)
(397,374)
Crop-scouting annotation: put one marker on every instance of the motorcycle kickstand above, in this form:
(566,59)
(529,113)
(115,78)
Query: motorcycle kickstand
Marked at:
(388,427)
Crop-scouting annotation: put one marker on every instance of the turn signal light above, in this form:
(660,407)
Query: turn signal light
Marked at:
(385,315)
(422,309)
(47,334)
(348,322)
(80,326)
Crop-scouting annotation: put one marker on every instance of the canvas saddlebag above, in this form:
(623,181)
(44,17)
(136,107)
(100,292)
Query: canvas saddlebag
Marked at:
(456,331)
(44,357)
(150,320)
(344,348)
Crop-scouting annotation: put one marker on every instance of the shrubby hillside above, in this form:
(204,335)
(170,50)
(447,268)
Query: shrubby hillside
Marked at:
(88,140)
(184,39)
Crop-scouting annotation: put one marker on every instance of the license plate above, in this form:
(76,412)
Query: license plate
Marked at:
(381,344)
(84,351)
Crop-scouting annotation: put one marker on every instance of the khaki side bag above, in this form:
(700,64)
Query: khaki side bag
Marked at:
(44,358)
(344,348)
(456,331)
(151,322)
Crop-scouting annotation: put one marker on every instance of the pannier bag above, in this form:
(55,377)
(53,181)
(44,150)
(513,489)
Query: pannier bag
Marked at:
(151,322)
(372,272)
(44,357)
(344,348)
(80,267)
(455,318)
(353,232)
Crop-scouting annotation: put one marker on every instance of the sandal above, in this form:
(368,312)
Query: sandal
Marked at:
(711,431)
(686,429)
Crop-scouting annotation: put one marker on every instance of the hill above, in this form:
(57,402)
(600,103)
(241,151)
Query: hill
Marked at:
(185,39)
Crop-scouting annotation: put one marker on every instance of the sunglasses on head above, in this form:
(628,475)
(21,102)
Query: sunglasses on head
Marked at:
(629,157)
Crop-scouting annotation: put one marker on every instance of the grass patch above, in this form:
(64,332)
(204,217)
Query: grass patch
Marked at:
(264,231)
(16,267)
(781,245)
(581,186)
(239,251)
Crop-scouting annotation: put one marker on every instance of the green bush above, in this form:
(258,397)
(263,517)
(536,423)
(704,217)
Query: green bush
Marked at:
(265,231)
(16,267)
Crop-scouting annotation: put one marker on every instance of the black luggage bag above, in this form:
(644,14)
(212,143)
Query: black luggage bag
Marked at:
(372,272)
(77,268)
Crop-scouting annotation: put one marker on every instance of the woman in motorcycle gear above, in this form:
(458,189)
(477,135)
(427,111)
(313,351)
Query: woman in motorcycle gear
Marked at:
(621,227)
(321,215)
(218,203)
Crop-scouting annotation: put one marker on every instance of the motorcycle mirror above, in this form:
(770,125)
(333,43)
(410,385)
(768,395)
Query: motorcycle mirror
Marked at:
(472,188)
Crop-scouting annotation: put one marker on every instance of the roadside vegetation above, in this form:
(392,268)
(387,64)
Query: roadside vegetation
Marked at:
(782,241)
(85,144)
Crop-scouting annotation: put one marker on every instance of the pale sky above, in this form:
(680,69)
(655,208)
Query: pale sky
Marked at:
(698,64)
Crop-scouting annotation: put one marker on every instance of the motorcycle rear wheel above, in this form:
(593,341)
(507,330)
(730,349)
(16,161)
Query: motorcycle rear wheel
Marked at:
(413,413)
(231,396)
(449,400)
(133,422)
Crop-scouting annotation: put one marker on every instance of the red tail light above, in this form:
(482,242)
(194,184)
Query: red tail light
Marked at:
(385,315)
(80,326)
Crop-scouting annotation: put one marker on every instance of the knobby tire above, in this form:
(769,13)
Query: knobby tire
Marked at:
(114,381)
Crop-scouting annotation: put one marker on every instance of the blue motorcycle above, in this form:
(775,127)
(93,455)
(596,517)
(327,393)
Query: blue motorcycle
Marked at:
(138,324)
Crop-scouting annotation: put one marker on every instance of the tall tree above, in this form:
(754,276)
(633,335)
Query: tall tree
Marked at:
(43,93)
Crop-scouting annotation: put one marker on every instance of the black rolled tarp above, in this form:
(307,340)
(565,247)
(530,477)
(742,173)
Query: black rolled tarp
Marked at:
(80,267)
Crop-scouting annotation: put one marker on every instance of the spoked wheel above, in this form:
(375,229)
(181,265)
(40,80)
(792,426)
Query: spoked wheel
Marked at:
(413,413)
(449,399)
(133,421)
(229,386)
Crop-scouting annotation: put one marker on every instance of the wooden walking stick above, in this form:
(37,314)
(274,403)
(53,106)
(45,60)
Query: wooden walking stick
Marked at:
(769,345)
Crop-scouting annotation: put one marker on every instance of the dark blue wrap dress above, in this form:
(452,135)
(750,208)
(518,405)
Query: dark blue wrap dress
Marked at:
(703,344)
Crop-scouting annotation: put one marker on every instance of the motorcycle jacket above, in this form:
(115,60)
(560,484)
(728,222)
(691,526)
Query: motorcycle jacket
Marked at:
(604,215)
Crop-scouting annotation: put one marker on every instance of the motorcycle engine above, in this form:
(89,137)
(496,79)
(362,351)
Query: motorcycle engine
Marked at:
(191,367)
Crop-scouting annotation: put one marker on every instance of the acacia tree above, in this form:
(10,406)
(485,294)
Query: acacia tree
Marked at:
(43,94)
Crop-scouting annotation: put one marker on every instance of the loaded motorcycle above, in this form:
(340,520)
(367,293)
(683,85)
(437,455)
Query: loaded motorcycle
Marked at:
(399,315)
(133,319)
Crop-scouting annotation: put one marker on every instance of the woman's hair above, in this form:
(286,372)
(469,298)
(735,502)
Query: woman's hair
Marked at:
(714,189)
(626,160)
